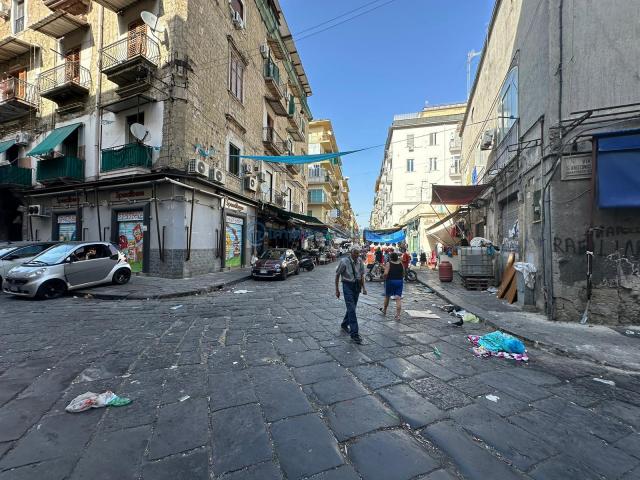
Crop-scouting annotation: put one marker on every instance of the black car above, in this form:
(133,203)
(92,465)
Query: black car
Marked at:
(276,263)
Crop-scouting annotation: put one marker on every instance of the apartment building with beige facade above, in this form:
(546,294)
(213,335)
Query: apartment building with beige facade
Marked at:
(207,82)
(328,194)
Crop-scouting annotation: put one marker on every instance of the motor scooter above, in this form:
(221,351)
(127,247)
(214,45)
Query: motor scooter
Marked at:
(306,263)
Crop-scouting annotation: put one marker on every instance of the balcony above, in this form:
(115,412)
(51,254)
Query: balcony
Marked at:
(276,96)
(131,60)
(60,170)
(117,6)
(272,142)
(455,145)
(455,171)
(296,124)
(17,99)
(74,7)
(131,155)
(59,24)
(319,179)
(318,197)
(11,176)
(69,81)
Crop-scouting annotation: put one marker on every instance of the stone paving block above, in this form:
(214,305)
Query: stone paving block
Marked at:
(225,359)
(472,460)
(411,406)
(440,393)
(352,418)
(625,412)
(286,347)
(189,380)
(11,387)
(319,372)
(390,454)
(305,446)
(348,355)
(404,369)
(345,472)
(189,358)
(520,389)
(56,438)
(406,350)
(17,416)
(58,469)
(375,376)
(113,455)
(239,438)
(281,399)
(269,373)
(230,389)
(580,418)
(578,394)
(375,353)
(260,354)
(262,471)
(337,390)
(432,367)
(515,444)
(423,338)
(632,475)
(630,444)
(471,386)
(536,377)
(192,465)
(562,468)
(303,359)
(180,427)
(439,475)
(382,340)
(505,406)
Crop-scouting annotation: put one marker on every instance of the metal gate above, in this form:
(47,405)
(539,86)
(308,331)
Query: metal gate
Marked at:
(510,234)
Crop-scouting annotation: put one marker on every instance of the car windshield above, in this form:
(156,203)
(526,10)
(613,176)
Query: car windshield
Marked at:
(273,255)
(53,255)
(5,250)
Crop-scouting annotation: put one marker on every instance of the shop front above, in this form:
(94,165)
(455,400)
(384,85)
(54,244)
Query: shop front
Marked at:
(129,232)
(67,226)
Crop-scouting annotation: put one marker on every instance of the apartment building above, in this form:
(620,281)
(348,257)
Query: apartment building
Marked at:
(328,195)
(127,121)
(551,132)
(422,150)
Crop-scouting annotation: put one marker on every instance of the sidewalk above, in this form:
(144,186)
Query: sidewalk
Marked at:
(143,287)
(596,343)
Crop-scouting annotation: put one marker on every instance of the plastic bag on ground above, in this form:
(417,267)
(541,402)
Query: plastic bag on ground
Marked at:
(529,272)
(470,318)
(501,342)
(93,400)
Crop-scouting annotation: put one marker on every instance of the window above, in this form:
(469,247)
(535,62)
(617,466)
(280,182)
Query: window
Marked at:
(537,206)
(317,195)
(455,164)
(433,139)
(410,138)
(90,252)
(410,165)
(425,191)
(131,119)
(236,75)
(508,104)
(269,191)
(433,164)
(18,17)
(238,7)
(290,199)
(136,39)
(234,160)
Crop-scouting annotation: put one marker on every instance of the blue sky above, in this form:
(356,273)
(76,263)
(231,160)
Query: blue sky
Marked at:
(391,60)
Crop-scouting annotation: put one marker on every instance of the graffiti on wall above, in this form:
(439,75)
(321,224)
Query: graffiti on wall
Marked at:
(606,241)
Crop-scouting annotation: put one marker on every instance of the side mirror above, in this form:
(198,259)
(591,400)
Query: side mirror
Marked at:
(115,256)
(68,260)
(11,257)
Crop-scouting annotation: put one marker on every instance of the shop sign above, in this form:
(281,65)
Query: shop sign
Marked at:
(576,167)
(66,219)
(131,194)
(235,220)
(66,200)
(136,216)
(235,206)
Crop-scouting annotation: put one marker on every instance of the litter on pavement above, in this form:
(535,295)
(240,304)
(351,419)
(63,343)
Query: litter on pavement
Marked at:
(176,307)
(492,290)
(448,308)
(492,398)
(470,318)
(437,352)
(184,397)
(498,344)
(93,400)
(243,291)
(421,314)
(606,382)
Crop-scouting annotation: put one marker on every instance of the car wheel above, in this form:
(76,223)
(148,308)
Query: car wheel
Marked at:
(51,289)
(122,276)
(368,277)
(411,276)
(283,274)
(297,272)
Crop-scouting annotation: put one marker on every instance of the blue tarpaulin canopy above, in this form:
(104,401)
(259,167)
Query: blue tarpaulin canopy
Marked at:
(618,170)
(384,236)
(299,159)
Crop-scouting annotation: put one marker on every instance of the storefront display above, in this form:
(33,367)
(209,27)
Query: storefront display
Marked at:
(234,241)
(131,237)
(67,228)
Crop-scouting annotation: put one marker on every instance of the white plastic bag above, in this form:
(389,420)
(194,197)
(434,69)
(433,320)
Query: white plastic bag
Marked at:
(94,400)
(529,272)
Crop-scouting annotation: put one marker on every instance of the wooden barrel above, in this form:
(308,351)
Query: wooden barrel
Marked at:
(445,271)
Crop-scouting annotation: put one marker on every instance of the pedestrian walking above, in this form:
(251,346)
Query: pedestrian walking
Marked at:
(405,259)
(351,269)
(393,283)
(379,256)
(371,259)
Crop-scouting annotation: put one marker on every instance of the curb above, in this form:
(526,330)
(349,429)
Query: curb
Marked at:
(162,296)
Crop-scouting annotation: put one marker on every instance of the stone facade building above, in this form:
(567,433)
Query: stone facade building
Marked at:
(551,130)
(207,82)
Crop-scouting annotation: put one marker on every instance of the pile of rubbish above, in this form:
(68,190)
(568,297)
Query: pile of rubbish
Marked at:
(461,314)
(498,344)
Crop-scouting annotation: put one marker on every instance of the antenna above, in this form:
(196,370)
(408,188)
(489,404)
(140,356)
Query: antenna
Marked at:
(151,20)
(139,131)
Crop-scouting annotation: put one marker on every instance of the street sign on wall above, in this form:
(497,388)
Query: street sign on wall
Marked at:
(576,167)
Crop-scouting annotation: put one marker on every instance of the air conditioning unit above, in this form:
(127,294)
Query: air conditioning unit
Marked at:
(198,167)
(246,168)
(264,50)
(5,11)
(262,177)
(22,138)
(35,210)
(487,139)
(217,175)
(237,20)
(251,183)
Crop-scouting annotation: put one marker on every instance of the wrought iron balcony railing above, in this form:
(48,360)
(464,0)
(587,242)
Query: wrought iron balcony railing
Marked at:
(15,89)
(68,72)
(138,45)
(126,156)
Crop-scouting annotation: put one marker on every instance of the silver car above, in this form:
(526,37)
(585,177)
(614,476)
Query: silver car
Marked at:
(14,254)
(68,266)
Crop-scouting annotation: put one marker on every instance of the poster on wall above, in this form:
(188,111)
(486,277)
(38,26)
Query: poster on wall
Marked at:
(234,244)
(131,238)
(66,228)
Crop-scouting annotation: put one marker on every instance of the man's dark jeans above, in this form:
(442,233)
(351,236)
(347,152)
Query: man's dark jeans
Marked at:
(351,292)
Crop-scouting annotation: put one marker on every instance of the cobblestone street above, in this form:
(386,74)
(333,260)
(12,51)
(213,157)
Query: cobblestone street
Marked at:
(264,385)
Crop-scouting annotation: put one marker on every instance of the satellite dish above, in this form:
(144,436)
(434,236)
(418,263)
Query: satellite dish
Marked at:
(151,21)
(139,131)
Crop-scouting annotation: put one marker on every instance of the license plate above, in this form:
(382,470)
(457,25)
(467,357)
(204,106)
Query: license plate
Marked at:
(13,289)
(263,272)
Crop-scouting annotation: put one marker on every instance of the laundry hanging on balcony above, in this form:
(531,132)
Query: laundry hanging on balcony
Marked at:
(300,159)
(55,138)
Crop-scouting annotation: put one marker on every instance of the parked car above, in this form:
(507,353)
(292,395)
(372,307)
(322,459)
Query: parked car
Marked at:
(68,266)
(276,263)
(14,254)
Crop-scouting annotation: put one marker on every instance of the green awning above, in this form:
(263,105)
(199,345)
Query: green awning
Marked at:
(55,138)
(4,146)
